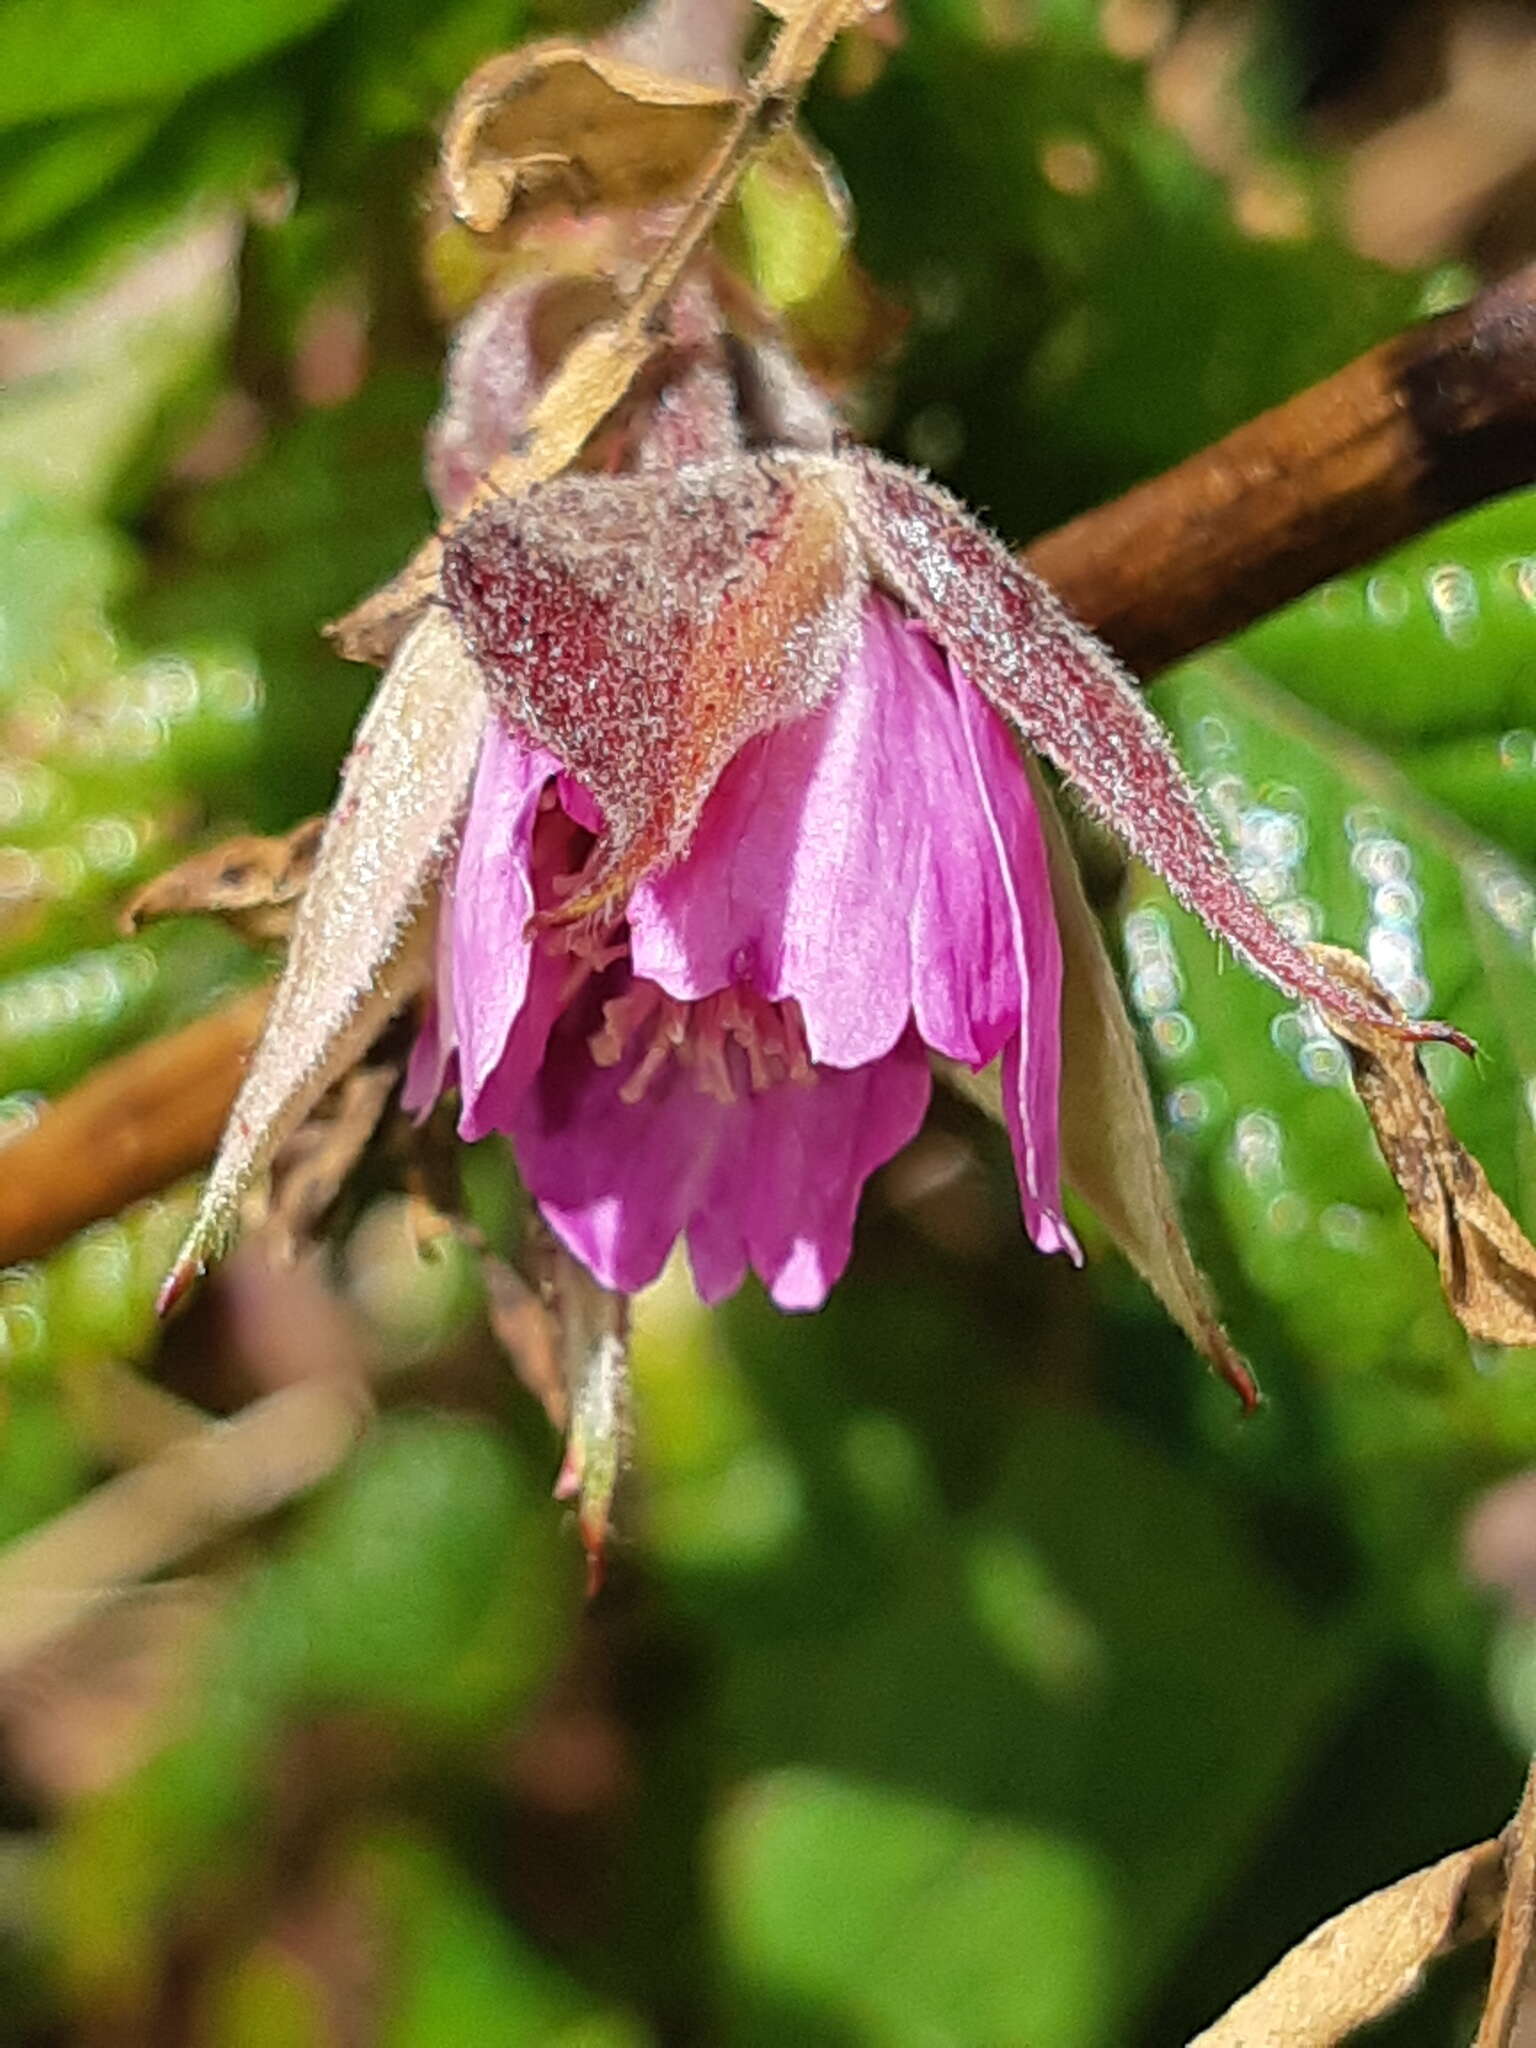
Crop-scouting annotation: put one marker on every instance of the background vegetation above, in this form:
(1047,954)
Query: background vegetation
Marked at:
(971,1673)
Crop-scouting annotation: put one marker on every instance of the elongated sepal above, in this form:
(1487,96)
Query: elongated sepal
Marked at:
(358,950)
(594,1344)
(1070,700)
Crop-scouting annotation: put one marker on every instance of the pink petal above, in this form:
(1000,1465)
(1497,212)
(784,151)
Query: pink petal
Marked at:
(1071,700)
(846,860)
(772,1180)
(492,900)
(1032,1057)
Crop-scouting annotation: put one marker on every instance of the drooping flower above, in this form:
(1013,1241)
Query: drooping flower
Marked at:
(731,1056)
(748,837)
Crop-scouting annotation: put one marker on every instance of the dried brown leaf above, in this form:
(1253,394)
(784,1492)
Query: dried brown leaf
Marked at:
(1509,2016)
(252,883)
(600,368)
(558,124)
(525,1329)
(308,1173)
(1111,1154)
(1367,1960)
(1487,1264)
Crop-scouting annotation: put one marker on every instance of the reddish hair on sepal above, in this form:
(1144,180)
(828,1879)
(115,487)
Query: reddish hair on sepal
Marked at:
(644,628)
(1069,699)
(1234,1370)
(177,1284)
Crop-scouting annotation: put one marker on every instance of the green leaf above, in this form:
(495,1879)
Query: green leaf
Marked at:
(908,1922)
(61,56)
(47,171)
(217,147)
(461,1971)
(266,1999)
(429,1579)
(1342,844)
(330,508)
(1430,654)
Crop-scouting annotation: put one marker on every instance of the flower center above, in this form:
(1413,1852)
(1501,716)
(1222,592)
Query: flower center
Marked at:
(732,1041)
(727,1041)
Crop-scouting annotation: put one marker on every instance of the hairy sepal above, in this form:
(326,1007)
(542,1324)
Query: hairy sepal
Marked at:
(357,952)
(644,628)
(1071,701)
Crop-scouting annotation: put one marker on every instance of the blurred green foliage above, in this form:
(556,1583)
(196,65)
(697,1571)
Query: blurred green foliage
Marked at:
(973,1678)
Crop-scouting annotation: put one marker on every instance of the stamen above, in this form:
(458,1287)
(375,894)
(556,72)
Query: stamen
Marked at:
(726,1041)
(622,1015)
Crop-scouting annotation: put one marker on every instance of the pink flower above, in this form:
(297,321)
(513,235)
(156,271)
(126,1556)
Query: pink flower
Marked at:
(748,838)
(739,834)
(731,1059)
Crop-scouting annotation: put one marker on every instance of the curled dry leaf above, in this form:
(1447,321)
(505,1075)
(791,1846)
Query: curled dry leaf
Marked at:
(558,124)
(252,883)
(1509,2016)
(525,1330)
(1367,1960)
(1487,1264)
(1111,1152)
(600,368)
(308,1173)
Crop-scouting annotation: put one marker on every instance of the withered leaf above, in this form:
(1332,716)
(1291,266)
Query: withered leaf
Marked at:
(251,882)
(359,948)
(1111,1154)
(1487,1264)
(599,369)
(308,1172)
(557,123)
(1509,2016)
(525,1330)
(1367,1960)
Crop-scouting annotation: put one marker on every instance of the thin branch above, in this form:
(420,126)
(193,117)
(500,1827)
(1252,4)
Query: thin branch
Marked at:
(221,1477)
(129,1129)
(1438,419)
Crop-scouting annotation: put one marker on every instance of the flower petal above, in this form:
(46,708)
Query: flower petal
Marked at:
(812,1150)
(848,860)
(1032,1058)
(771,1180)
(1073,702)
(492,901)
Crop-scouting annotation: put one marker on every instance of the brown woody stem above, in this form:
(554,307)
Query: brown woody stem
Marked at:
(1440,418)
(129,1129)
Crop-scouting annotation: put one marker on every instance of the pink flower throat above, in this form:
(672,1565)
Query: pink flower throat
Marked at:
(732,1042)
